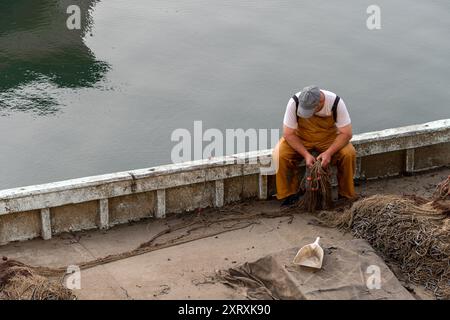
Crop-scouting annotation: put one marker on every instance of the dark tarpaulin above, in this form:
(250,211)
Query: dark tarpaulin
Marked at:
(347,268)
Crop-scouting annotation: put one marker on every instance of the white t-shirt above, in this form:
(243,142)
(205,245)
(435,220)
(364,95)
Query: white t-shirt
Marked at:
(342,116)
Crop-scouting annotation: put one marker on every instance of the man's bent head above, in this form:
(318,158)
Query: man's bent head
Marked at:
(308,101)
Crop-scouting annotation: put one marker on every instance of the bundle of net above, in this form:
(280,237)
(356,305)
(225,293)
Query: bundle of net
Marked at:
(411,231)
(316,186)
(20,282)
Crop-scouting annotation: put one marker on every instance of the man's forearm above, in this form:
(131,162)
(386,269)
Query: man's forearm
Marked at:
(296,144)
(340,142)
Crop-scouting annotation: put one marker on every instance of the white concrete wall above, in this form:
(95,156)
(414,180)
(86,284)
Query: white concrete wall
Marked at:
(153,187)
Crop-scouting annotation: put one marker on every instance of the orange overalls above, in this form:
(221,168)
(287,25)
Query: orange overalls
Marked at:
(316,133)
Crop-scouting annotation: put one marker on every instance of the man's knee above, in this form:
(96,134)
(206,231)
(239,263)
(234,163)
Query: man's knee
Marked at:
(348,152)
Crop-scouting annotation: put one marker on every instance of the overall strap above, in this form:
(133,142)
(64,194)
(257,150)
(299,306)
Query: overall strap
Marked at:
(296,104)
(334,108)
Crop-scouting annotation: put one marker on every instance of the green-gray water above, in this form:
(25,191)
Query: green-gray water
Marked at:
(107,97)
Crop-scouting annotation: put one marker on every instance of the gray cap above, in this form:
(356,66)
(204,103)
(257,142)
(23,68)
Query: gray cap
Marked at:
(308,100)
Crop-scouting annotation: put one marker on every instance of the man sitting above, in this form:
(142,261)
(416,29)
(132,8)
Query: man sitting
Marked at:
(315,119)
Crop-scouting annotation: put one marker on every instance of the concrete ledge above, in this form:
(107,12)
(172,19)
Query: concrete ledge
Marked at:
(105,200)
(403,138)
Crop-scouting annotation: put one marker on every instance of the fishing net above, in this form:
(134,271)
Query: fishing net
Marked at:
(21,282)
(412,232)
(316,185)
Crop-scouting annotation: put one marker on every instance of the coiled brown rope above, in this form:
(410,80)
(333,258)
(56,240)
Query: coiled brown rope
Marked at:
(21,282)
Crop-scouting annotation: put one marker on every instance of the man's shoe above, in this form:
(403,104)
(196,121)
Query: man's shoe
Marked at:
(344,201)
(290,200)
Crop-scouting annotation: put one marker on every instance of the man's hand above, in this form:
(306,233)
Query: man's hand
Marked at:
(325,159)
(309,160)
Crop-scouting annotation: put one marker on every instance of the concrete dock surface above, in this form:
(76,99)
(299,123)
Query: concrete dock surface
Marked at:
(185,271)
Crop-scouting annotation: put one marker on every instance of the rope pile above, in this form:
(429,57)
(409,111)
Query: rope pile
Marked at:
(411,231)
(317,187)
(21,282)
